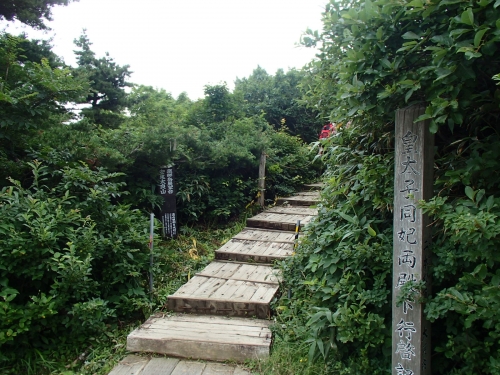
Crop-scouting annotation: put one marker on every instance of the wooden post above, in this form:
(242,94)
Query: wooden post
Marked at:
(262,178)
(414,158)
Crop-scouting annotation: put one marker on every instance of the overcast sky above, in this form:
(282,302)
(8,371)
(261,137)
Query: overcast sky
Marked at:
(182,45)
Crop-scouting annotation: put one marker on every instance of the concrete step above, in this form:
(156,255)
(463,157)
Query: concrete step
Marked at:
(314,186)
(204,337)
(137,365)
(255,245)
(282,218)
(305,198)
(228,288)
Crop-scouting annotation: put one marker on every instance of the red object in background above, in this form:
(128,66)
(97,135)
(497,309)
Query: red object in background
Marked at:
(327,131)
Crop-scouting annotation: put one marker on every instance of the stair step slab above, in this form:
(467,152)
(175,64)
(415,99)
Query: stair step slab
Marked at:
(279,221)
(204,337)
(228,288)
(314,186)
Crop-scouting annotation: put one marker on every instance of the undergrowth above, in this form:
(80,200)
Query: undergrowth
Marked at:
(175,262)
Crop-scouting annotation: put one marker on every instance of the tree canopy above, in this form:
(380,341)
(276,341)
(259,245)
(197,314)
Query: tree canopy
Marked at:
(278,98)
(107,96)
(30,12)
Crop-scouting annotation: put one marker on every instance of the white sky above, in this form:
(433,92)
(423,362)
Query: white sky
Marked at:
(182,45)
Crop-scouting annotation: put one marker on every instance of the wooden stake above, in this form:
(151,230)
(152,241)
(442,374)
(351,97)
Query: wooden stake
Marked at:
(262,178)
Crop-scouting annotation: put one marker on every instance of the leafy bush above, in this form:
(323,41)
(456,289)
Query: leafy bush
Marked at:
(341,274)
(466,261)
(70,259)
(290,164)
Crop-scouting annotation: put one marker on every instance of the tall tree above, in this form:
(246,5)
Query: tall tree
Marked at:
(33,91)
(30,12)
(219,103)
(278,98)
(107,96)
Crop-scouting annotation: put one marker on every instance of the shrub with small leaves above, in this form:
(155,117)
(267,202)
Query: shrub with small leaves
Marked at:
(69,259)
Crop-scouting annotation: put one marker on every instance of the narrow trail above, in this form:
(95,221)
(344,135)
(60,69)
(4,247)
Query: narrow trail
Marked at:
(223,312)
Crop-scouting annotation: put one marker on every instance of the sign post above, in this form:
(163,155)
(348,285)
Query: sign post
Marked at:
(262,179)
(414,158)
(169,208)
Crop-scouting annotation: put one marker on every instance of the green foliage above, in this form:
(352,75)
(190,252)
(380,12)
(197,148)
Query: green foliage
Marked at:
(385,55)
(340,276)
(277,98)
(108,82)
(30,12)
(219,104)
(376,57)
(289,164)
(32,95)
(466,264)
(70,259)
(287,358)
(96,354)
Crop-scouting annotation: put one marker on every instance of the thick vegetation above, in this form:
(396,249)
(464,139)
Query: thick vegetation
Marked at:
(377,57)
(77,187)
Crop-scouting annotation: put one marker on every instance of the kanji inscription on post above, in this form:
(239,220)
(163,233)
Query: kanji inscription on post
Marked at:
(414,157)
(169,208)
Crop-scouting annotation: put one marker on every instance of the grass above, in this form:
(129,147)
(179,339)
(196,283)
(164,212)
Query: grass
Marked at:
(287,358)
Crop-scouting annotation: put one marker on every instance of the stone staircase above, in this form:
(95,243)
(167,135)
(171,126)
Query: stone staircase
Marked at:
(222,313)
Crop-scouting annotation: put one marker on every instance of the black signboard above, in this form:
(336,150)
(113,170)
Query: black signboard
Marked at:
(169,208)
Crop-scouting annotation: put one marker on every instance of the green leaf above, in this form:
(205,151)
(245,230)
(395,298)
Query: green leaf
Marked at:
(447,2)
(328,315)
(350,219)
(442,73)
(415,4)
(468,17)
(457,294)
(8,291)
(479,36)
(130,255)
(469,320)
(380,32)
(424,117)
(319,343)
(407,82)
(371,232)
(408,95)
(490,202)
(481,270)
(410,35)
(441,119)
(456,33)
(385,63)
(480,195)
(470,192)
(312,350)
(433,127)
(495,280)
